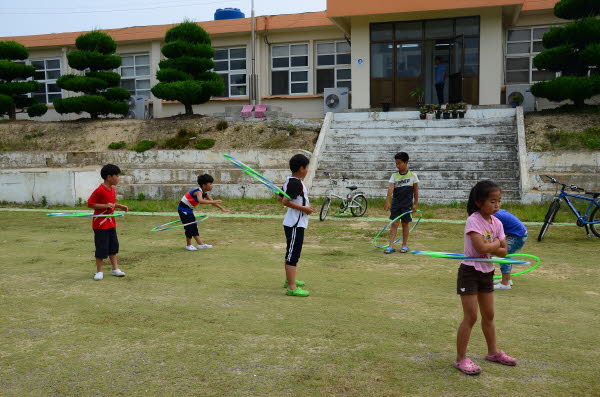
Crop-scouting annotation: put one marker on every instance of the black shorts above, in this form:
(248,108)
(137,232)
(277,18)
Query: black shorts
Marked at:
(295,239)
(106,242)
(471,281)
(190,230)
(398,210)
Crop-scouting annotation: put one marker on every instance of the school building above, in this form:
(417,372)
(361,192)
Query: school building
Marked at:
(379,49)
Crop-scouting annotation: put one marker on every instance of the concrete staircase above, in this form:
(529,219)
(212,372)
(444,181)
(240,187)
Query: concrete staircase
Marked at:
(449,156)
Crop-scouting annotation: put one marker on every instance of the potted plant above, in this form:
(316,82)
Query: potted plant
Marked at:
(516,99)
(438,111)
(446,111)
(423,110)
(462,109)
(419,95)
(454,110)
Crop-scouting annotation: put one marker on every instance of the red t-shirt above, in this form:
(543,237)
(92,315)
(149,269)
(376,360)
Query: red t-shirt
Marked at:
(103,195)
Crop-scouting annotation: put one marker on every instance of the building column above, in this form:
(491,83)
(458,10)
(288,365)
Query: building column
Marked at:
(361,69)
(155,57)
(491,56)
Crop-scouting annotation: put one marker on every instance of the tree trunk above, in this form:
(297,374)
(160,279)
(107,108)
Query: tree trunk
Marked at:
(188,110)
(579,103)
(94,116)
(12,112)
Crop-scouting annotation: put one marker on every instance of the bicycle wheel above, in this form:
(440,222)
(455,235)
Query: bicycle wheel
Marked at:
(362,202)
(595,217)
(550,215)
(325,209)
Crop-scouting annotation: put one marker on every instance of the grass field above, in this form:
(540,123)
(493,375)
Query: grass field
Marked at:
(216,322)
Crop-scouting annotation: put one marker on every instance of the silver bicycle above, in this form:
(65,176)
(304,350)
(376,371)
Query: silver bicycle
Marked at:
(354,200)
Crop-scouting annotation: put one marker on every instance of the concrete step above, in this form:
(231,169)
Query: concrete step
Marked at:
(176,191)
(447,125)
(425,150)
(429,176)
(189,176)
(368,140)
(440,184)
(411,115)
(427,195)
(459,165)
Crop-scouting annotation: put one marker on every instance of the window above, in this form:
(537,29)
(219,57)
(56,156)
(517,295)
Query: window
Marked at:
(46,73)
(522,45)
(230,64)
(135,74)
(289,69)
(333,66)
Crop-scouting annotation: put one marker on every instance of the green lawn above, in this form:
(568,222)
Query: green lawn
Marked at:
(217,322)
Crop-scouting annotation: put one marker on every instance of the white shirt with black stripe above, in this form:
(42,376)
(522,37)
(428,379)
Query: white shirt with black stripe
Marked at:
(298,193)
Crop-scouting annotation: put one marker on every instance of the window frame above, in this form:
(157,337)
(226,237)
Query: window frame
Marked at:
(531,54)
(291,69)
(336,66)
(46,81)
(135,77)
(229,72)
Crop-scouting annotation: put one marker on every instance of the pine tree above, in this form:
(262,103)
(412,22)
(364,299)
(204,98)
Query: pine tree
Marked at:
(13,87)
(571,49)
(102,95)
(185,76)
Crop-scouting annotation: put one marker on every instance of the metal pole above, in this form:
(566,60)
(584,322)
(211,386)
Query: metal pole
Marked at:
(253,63)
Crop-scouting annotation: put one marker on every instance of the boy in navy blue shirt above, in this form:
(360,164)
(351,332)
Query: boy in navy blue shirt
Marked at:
(516,235)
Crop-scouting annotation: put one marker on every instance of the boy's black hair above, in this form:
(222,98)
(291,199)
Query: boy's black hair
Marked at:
(438,59)
(108,170)
(204,179)
(401,156)
(297,161)
(479,193)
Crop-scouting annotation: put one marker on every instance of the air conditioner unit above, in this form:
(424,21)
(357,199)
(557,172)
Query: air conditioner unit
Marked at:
(138,108)
(528,100)
(335,100)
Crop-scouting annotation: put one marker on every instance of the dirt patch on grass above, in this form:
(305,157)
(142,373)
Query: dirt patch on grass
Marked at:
(540,127)
(89,135)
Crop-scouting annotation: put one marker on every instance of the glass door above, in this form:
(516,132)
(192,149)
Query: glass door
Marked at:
(457,66)
(408,72)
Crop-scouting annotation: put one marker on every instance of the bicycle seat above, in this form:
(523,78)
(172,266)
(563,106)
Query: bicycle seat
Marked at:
(595,194)
(352,187)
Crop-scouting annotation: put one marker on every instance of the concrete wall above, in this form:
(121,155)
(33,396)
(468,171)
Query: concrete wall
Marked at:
(491,41)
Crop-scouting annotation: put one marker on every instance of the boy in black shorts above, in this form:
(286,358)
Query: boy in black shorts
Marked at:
(404,185)
(103,201)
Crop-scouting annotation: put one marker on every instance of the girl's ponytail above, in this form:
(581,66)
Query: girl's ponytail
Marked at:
(480,192)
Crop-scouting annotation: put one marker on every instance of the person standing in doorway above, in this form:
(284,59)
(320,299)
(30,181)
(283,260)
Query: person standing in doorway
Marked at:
(440,79)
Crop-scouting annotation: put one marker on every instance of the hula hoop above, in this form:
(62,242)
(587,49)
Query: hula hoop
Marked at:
(256,175)
(538,261)
(165,226)
(388,225)
(461,257)
(82,214)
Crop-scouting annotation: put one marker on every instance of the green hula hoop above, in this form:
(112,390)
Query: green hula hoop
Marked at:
(165,226)
(82,215)
(538,261)
(461,257)
(394,220)
(256,175)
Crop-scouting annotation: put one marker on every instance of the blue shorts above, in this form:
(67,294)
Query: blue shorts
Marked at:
(514,245)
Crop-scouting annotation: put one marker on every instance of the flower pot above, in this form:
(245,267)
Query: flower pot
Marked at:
(385,106)
(446,116)
(430,116)
(454,115)
(422,116)
(461,115)
(438,115)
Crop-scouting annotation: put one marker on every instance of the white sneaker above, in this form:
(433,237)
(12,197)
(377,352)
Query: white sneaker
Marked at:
(204,246)
(191,248)
(502,287)
(118,273)
(498,281)
(98,276)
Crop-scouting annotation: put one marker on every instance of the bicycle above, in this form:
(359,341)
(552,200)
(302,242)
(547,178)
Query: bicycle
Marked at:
(355,201)
(589,220)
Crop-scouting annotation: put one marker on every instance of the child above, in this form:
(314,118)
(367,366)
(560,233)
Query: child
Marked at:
(404,184)
(516,235)
(103,202)
(483,236)
(186,210)
(295,221)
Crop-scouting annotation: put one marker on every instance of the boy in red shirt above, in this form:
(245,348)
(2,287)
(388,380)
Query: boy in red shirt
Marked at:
(105,232)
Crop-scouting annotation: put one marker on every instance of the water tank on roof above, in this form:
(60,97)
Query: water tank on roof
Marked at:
(228,13)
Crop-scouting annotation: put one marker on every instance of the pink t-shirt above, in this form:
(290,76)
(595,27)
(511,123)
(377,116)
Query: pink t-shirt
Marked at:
(490,231)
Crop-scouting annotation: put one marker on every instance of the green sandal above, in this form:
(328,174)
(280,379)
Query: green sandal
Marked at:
(297,292)
(298,284)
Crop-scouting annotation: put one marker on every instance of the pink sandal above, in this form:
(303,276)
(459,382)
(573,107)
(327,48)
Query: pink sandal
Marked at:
(501,358)
(467,366)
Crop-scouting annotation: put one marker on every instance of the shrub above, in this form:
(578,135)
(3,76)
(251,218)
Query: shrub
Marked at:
(180,140)
(291,128)
(204,144)
(221,125)
(117,145)
(144,145)
(588,138)
(141,197)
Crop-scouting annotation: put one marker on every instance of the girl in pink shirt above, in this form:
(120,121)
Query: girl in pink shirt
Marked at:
(484,236)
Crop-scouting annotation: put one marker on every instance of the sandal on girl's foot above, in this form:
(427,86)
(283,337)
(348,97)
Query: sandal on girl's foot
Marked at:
(501,358)
(403,250)
(467,366)
(389,250)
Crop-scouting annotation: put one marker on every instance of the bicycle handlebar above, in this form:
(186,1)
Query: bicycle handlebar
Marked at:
(574,188)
